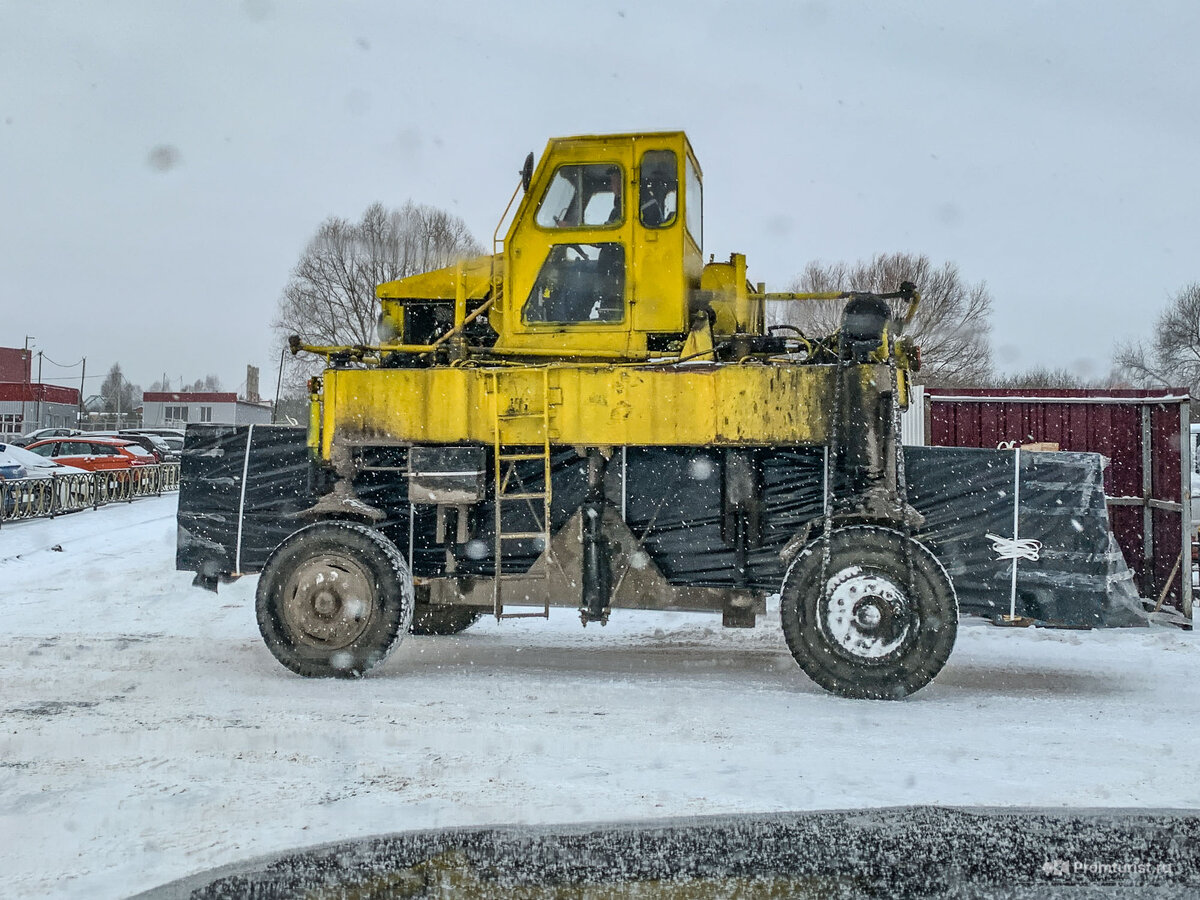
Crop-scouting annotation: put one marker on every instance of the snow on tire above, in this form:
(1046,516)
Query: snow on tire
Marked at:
(877,621)
(334,599)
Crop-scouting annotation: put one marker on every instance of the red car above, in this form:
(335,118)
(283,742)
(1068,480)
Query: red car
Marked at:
(94,454)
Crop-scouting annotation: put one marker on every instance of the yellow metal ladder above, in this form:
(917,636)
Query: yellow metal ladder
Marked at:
(527,412)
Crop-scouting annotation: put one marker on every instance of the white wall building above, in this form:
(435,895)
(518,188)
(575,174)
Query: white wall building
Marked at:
(26,407)
(171,409)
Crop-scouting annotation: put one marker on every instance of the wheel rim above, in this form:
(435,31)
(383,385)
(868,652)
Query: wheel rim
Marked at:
(328,601)
(865,615)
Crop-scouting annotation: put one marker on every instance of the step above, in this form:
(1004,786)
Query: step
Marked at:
(538,414)
(515,457)
(521,535)
(524,495)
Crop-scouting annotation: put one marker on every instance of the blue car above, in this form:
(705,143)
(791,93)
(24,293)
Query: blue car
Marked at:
(10,469)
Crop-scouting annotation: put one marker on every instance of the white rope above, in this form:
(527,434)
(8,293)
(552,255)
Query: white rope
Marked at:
(1008,548)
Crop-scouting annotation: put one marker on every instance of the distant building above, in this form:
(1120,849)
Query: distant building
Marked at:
(171,409)
(27,405)
(16,365)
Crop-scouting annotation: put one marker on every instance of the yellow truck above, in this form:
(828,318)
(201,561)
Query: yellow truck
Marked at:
(593,416)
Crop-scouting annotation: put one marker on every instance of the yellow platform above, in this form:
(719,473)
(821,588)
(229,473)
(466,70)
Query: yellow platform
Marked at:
(590,405)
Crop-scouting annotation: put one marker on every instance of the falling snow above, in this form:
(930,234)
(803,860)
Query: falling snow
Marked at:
(146,733)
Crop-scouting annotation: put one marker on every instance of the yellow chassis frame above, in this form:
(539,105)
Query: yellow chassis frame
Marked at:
(705,404)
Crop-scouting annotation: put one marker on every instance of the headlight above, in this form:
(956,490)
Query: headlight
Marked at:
(385,330)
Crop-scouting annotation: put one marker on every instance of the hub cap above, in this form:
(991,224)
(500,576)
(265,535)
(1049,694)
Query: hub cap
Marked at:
(865,614)
(328,600)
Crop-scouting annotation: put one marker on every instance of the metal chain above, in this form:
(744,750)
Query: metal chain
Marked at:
(901,480)
(832,449)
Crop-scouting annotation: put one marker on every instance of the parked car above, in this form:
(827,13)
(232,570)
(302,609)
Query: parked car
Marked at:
(34,465)
(176,445)
(42,433)
(161,432)
(10,467)
(29,470)
(152,442)
(96,454)
(172,437)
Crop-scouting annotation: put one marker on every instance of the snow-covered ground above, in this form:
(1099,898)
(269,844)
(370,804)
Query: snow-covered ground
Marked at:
(146,733)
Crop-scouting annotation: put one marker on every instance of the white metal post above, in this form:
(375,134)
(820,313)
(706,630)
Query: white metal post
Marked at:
(1187,526)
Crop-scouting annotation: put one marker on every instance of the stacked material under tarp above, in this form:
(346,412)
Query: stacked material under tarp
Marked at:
(246,488)
(1078,577)
(242,490)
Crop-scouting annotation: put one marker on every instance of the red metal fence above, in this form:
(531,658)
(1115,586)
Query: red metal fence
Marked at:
(1144,434)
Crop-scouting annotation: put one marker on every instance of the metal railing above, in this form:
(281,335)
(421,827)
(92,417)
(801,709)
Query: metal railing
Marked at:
(32,498)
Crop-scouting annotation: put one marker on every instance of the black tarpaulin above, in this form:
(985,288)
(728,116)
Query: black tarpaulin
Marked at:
(671,499)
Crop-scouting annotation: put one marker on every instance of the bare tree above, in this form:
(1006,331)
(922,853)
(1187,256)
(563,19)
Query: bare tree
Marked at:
(952,325)
(208,384)
(1042,377)
(117,393)
(1172,357)
(330,296)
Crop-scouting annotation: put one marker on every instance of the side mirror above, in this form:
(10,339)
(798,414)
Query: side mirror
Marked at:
(527,172)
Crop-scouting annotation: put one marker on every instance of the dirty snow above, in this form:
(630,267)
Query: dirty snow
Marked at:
(146,733)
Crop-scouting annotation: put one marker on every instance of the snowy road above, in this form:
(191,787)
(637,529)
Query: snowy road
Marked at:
(146,733)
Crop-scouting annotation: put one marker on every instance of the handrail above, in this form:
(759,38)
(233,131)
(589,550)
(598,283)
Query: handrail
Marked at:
(32,498)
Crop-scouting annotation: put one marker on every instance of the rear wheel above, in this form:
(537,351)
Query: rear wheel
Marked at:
(334,599)
(877,621)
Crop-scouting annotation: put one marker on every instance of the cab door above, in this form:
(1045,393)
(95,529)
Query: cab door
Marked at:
(660,291)
(568,272)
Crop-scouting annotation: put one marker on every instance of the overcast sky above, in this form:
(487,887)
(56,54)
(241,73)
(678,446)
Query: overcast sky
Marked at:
(164,163)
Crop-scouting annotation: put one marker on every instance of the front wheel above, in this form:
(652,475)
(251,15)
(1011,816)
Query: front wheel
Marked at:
(875,617)
(334,599)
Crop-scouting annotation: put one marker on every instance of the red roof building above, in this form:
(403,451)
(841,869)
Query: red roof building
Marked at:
(16,364)
(25,407)
(175,409)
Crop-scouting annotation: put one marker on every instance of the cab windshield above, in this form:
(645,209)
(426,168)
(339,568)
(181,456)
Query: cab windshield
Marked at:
(582,196)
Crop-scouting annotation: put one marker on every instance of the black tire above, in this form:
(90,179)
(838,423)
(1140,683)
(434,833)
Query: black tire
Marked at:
(867,630)
(334,599)
(443,620)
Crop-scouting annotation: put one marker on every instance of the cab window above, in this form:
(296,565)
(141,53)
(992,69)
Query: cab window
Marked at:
(579,283)
(658,188)
(694,205)
(582,196)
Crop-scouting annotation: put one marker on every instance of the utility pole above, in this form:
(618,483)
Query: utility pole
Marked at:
(25,398)
(41,390)
(82,382)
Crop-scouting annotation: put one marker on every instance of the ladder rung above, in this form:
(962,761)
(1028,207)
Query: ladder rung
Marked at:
(520,535)
(528,615)
(538,414)
(514,457)
(527,495)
